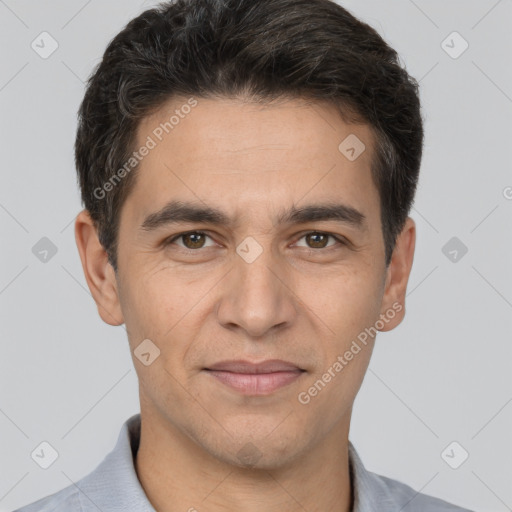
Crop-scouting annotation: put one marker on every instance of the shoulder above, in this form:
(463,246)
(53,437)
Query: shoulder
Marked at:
(65,500)
(112,485)
(373,492)
(413,501)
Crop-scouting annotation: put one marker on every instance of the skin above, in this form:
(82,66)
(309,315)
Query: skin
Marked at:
(297,303)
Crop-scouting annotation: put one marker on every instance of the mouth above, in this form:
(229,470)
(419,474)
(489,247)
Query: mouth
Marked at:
(255,378)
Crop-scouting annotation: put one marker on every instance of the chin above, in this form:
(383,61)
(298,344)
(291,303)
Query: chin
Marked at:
(258,453)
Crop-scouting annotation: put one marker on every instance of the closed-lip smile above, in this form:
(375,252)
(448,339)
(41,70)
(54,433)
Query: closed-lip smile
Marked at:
(251,378)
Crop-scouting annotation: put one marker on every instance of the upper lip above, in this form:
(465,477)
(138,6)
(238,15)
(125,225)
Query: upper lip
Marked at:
(268,366)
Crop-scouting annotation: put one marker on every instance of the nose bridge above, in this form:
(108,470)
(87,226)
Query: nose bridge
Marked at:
(253,298)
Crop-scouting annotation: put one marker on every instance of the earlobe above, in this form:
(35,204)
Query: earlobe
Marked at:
(397,277)
(98,272)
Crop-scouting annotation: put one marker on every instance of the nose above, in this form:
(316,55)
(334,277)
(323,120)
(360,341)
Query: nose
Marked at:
(256,297)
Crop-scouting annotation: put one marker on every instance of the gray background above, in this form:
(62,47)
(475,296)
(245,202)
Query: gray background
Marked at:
(443,375)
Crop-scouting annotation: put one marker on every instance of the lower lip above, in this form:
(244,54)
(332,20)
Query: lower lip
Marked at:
(256,383)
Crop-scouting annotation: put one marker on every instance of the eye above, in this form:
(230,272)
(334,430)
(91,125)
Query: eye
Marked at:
(318,240)
(191,240)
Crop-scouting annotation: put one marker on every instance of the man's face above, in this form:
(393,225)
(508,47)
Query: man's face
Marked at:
(256,288)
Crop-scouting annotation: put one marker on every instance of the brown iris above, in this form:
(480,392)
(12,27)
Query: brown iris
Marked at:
(196,240)
(319,243)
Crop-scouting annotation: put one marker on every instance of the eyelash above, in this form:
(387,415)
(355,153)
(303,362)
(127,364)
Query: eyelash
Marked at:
(340,240)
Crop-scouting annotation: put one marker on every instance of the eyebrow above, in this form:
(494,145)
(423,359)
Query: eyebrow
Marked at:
(178,211)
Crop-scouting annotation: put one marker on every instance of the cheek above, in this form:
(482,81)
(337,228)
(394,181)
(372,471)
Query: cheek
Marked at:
(167,309)
(346,301)
(348,305)
(155,299)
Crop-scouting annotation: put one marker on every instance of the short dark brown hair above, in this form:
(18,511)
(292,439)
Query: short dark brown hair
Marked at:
(266,50)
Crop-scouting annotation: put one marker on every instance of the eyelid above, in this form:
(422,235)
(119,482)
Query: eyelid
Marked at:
(173,238)
(340,239)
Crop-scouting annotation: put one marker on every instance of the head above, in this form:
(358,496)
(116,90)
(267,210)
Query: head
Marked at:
(282,140)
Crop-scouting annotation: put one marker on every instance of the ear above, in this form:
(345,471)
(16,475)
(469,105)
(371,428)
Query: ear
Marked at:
(99,274)
(397,276)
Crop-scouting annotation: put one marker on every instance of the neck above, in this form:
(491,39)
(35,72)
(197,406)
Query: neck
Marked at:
(178,475)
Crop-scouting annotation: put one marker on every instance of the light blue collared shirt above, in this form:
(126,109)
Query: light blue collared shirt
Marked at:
(114,486)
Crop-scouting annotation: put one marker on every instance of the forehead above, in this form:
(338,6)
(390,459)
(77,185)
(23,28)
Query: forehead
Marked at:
(244,156)
(239,125)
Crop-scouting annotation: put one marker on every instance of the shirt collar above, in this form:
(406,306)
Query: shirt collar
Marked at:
(115,479)
(370,491)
